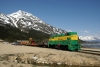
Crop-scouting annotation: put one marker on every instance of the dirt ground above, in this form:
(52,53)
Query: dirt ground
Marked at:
(27,56)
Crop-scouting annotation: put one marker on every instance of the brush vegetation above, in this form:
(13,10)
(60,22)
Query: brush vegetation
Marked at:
(10,33)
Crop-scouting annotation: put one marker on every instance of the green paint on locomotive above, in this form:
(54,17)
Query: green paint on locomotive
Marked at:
(68,41)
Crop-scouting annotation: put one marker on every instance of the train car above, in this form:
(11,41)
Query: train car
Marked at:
(69,41)
(31,42)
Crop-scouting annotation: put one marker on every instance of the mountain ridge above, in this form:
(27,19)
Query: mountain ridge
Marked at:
(90,38)
(24,21)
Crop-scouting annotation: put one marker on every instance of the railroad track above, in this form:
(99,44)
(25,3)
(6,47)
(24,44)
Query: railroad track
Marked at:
(90,51)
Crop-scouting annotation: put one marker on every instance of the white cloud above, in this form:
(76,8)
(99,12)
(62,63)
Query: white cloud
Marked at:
(87,35)
(85,31)
(69,30)
(97,35)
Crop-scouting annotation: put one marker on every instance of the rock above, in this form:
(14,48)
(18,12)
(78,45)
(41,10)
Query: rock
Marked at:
(51,62)
(35,58)
(43,62)
(59,63)
(16,61)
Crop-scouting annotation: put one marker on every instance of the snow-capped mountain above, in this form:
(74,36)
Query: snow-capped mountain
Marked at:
(24,21)
(89,38)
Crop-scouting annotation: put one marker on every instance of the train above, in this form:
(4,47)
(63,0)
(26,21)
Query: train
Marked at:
(68,41)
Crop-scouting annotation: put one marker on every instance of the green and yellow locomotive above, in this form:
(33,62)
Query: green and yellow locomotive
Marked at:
(69,41)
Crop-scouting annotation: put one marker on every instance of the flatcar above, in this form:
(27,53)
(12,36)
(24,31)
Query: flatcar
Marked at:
(69,41)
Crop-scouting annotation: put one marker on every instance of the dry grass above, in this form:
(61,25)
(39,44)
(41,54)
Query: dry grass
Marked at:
(51,59)
(25,56)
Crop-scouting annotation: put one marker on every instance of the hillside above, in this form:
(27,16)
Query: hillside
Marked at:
(10,33)
(22,25)
(32,26)
(25,21)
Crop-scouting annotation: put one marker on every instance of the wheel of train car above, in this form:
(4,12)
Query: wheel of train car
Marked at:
(61,47)
(55,46)
(26,44)
(58,47)
(49,46)
(66,47)
(76,49)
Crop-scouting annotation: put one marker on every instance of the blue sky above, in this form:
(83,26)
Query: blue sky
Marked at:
(81,16)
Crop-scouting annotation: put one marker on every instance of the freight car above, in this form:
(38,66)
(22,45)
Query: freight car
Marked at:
(31,42)
(69,41)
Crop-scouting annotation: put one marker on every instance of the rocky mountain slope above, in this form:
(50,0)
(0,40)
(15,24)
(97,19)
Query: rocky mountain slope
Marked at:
(24,21)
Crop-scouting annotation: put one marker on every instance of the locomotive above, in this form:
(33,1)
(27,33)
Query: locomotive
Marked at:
(69,41)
